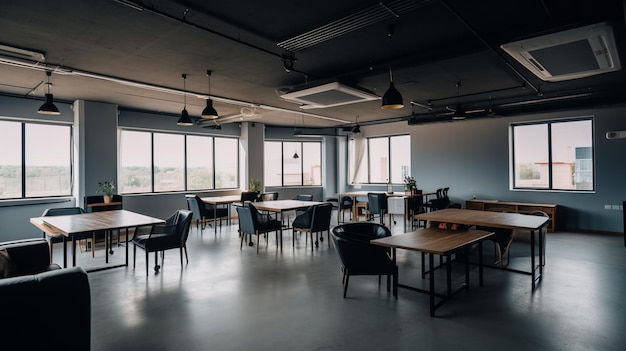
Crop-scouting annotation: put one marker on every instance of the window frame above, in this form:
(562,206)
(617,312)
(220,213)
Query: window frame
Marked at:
(367,158)
(550,169)
(23,158)
(301,159)
(185,162)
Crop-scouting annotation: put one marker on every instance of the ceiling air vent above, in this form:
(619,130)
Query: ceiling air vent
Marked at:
(571,54)
(328,95)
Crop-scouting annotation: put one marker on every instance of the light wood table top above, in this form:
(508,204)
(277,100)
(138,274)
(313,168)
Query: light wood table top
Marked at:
(284,205)
(96,221)
(485,218)
(433,240)
(221,200)
(90,222)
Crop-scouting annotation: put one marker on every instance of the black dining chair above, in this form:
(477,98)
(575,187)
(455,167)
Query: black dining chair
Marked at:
(249,196)
(377,203)
(359,257)
(203,212)
(316,219)
(251,222)
(172,234)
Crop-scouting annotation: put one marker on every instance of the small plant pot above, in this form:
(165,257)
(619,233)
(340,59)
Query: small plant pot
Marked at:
(108,199)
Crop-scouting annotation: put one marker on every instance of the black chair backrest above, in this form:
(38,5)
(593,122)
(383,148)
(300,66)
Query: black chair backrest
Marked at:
(444,192)
(377,202)
(352,241)
(193,205)
(304,197)
(321,217)
(247,219)
(183,222)
(416,203)
(62,211)
(269,196)
(249,196)
(346,202)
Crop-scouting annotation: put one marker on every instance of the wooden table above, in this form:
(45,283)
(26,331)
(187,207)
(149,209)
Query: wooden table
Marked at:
(499,220)
(434,241)
(107,221)
(355,194)
(280,206)
(220,200)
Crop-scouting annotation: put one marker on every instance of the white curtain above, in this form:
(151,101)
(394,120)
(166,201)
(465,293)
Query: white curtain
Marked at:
(359,155)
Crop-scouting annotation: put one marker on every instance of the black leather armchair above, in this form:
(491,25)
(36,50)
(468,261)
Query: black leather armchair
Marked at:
(359,257)
(38,293)
(316,219)
(251,222)
(171,235)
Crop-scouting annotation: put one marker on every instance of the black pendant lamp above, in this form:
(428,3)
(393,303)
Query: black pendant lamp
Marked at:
(48,107)
(392,99)
(295,155)
(184,119)
(459,111)
(209,111)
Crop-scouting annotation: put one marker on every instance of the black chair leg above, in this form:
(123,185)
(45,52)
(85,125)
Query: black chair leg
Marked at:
(345,286)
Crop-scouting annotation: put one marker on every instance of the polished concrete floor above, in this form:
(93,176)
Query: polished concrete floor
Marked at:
(232,299)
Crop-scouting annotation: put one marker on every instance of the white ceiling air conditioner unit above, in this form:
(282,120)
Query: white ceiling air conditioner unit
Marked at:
(570,54)
(328,95)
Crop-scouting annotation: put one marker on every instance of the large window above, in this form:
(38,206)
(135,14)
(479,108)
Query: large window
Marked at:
(553,155)
(36,160)
(293,163)
(380,159)
(158,162)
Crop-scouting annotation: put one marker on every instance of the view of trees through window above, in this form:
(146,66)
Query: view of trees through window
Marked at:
(47,165)
(379,159)
(158,162)
(293,163)
(553,155)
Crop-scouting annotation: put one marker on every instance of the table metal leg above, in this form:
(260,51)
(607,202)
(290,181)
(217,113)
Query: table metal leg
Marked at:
(64,251)
(73,252)
(480,262)
(431,285)
(126,241)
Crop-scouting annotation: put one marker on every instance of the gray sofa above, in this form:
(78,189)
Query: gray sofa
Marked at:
(44,307)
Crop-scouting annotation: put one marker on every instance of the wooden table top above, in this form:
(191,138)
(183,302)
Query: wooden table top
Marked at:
(94,221)
(485,218)
(433,240)
(220,200)
(284,205)
(394,194)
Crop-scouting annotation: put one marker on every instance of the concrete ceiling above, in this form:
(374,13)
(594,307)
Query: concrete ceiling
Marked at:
(133,53)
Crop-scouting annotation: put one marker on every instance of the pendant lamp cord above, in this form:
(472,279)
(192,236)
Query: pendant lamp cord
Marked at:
(184,91)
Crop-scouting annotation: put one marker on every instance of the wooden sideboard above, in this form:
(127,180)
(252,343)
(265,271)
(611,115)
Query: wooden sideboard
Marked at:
(515,207)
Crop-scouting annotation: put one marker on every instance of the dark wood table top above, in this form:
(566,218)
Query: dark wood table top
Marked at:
(485,218)
(433,240)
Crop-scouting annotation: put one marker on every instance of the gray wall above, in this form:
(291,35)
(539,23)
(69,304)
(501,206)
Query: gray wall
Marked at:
(472,158)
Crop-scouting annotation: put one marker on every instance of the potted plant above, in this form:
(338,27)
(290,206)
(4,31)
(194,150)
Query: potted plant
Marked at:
(108,189)
(409,185)
(254,185)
